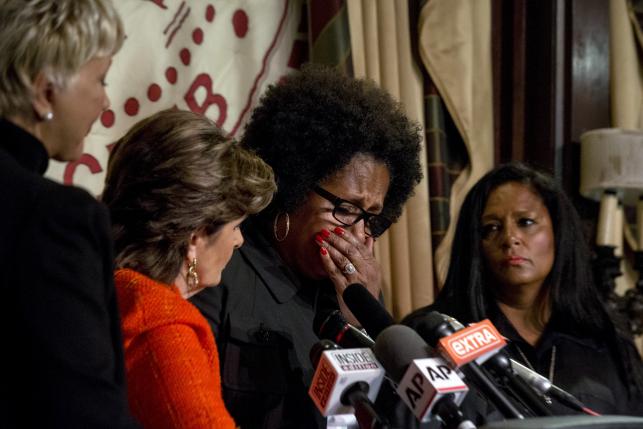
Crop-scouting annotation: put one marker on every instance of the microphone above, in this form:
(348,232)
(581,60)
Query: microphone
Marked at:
(346,381)
(335,328)
(367,309)
(543,386)
(426,385)
(482,342)
(434,327)
(503,367)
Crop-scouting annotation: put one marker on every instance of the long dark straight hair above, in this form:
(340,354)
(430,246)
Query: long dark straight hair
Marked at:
(572,294)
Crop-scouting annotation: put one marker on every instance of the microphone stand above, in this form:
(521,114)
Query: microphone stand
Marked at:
(476,375)
(367,418)
(501,366)
(451,415)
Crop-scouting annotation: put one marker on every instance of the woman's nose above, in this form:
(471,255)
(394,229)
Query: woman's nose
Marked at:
(106,102)
(239,241)
(359,230)
(511,236)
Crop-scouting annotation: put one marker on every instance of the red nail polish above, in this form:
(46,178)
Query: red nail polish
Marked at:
(323,251)
(339,231)
(319,239)
(325,233)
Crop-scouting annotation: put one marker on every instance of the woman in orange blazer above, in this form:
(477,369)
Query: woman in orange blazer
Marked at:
(177,191)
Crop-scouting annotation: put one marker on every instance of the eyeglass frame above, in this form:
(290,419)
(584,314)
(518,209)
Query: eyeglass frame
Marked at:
(366,216)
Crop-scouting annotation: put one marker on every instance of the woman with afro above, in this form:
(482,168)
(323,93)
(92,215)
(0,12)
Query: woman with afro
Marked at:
(346,159)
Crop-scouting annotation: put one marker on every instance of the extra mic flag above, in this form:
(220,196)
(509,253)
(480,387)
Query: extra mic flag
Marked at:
(477,342)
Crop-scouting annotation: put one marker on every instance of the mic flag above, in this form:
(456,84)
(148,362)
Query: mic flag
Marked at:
(336,371)
(434,327)
(425,382)
(480,343)
(477,342)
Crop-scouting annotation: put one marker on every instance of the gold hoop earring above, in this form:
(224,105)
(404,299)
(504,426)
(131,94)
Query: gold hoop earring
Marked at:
(275,227)
(192,277)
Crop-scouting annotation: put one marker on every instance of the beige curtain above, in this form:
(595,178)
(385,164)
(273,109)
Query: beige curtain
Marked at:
(381,47)
(455,46)
(627,94)
(626,74)
(625,69)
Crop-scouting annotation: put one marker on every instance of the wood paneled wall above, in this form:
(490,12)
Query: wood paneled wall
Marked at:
(551,81)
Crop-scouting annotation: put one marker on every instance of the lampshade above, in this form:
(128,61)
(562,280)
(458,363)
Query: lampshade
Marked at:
(612,158)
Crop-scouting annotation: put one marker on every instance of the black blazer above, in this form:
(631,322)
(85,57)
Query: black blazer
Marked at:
(262,317)
(62,354)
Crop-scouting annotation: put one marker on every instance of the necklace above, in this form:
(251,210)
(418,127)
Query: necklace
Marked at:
(552,362)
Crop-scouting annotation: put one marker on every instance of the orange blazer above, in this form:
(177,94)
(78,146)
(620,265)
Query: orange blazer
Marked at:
(171,359)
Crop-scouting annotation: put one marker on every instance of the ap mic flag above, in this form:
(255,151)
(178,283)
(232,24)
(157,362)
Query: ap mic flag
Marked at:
(427,385)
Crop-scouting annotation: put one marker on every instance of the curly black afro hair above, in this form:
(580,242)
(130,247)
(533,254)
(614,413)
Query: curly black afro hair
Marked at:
(315,121)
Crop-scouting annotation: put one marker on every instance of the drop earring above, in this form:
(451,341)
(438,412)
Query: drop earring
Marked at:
(192,277)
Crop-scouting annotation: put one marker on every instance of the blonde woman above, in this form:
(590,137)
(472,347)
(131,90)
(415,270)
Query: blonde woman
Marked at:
(63,356)
(177,190)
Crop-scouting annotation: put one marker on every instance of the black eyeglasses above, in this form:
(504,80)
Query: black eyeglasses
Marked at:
(349,214)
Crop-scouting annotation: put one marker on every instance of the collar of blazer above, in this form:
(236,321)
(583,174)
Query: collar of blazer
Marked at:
(280,280)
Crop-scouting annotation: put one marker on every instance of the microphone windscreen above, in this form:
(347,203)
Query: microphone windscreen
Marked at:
(323,320)
(432,327)
(319,348)
(368,310)
(396,347)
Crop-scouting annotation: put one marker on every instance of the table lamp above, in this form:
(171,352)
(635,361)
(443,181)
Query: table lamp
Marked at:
(612,173)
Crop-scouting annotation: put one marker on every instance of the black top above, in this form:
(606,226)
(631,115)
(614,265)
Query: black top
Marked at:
(62,350)
(262,317)
(581,365)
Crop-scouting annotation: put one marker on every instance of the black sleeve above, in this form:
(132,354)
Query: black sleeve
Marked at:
(68,313)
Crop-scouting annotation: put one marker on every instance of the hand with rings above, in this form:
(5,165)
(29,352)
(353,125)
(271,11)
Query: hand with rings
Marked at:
(348,260)
(349,269)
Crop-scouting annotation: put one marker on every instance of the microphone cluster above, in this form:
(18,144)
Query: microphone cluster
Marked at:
(429,366)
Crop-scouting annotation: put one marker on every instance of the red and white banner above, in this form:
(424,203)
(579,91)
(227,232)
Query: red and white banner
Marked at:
(208,56)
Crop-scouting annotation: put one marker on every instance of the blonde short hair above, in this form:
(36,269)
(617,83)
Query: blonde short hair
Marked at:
(172,174)
(56,37)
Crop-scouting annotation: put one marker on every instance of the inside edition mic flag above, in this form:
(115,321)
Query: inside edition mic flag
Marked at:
(337,371)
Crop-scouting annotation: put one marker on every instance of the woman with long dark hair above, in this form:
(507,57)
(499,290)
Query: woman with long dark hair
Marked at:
(519,258)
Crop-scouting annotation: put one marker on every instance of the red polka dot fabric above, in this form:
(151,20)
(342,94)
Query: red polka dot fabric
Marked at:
(212,57)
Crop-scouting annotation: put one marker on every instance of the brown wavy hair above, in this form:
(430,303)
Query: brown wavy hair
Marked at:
(172,174)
